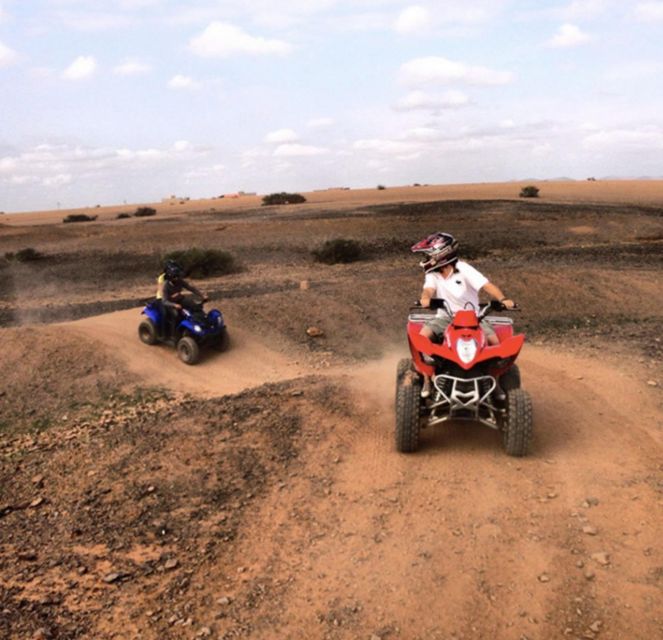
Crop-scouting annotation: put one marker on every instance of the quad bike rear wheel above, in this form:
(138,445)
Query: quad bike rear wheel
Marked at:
(188,350)
(147,332)
(408,399)
(519,423)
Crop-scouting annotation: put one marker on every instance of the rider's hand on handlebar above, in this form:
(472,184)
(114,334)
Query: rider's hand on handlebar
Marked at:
(508,303)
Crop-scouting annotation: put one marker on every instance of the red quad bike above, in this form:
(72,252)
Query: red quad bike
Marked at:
(470,380)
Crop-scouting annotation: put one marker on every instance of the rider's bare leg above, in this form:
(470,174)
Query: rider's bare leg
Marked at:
(426,332)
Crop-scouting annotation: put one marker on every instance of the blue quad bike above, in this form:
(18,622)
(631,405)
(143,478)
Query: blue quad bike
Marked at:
(195,329)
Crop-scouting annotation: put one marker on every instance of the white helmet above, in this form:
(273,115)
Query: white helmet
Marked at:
(440,248)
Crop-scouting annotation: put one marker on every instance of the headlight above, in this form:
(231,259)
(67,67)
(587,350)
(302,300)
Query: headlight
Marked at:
(197,328)
(466,349)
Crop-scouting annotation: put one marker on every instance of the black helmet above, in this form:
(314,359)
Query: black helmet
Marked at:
(173,270)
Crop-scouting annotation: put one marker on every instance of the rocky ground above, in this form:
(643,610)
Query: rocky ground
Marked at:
(259,495)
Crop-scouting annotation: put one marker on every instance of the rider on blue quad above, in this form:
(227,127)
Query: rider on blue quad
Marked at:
(169,293)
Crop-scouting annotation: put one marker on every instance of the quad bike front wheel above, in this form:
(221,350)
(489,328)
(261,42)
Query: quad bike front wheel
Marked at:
(408,399)
(519,423)
(188,350)
(511,379)
(147,332)
(222,343)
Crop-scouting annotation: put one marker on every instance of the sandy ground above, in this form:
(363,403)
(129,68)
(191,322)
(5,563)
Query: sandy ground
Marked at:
(259,493)
(648,192)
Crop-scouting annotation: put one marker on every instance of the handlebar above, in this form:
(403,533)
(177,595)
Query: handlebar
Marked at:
(441,303)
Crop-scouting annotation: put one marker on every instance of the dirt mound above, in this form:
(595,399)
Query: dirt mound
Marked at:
(284,511)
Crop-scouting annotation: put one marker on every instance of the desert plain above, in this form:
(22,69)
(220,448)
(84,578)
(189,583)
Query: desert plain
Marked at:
(258,494)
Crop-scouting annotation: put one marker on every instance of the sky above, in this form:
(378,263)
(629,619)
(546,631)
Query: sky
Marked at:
(135,100)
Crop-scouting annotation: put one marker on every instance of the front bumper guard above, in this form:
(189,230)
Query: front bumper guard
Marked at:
(464,399)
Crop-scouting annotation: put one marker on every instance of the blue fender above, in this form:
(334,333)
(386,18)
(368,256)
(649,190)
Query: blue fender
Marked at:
(152,312)
(215,314)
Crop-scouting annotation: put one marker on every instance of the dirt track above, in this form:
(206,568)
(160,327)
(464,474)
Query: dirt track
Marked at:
(259,494)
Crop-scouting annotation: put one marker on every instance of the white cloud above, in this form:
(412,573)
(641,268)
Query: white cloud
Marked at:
(638,139)
(222,40)
(649,11)
(320,123)
(132,68)
(582,9)
(180,82)
(281,135)
(414,100)
(386,147)
(95,20)
(414,19)
(81,68)
(7,56)
(58,180)
(569,35)
(298,150)
(438,70)
(183,145)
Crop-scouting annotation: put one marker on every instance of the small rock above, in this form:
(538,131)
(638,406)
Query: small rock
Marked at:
(171,563)
(37,502)
(652,383)
(592,502)
(580,564)
(110,578)
(38,480)
(596,626)
(602,558)
(296,393)
(589,574)
(304,285)
(27,555)
(315,332)
(205,632)
(544,577)
(224,601)
(589,530)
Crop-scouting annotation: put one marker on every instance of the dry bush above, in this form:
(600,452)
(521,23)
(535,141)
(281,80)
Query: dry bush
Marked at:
(201,263)
(283,198)
(78,217)
(143,212)
(338,250)
(529,191)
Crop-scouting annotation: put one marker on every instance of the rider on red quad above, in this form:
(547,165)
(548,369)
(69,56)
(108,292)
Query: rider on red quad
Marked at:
(169,291)
(456,282)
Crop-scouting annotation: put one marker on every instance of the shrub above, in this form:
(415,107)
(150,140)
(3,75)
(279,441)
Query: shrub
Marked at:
(143,212)
(381,187)
(122,216)
(25,255)
(201,263)
(529,191)
(78,217)
(338,250)
(283,198)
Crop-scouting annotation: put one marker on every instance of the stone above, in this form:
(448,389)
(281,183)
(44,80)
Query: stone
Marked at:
(544,577)
(589,530)
(596,626)
(589,574)
(205,632)
(110,578)
(652,383)
(602,558)
(171,563)
(224,601)
(592,502)
(315,332)
(37,502)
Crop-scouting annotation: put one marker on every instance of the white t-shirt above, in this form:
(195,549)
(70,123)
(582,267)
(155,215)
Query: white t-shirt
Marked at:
(460,288)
